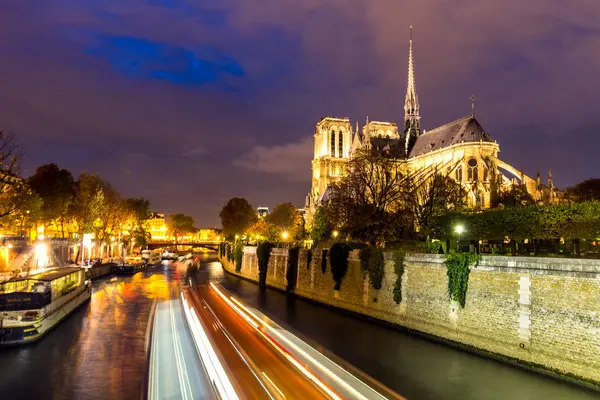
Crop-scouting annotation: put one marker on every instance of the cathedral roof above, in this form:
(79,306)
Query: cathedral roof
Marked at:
(466,129)
(392,145)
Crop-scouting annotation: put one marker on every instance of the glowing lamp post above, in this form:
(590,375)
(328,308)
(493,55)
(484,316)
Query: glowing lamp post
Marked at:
(459,230)
(86,242)
(285,235)
(335,234)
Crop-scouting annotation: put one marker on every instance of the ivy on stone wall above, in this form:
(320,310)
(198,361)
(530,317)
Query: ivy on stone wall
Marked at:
(376,267)
(457,266)
(291,273)
(338,258)
(324,260)
(263,253)
(399,269)
(238,255)
(364,255)
(229,251)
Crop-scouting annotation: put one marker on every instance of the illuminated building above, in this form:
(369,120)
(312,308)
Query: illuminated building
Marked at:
(156,225)
(462,150)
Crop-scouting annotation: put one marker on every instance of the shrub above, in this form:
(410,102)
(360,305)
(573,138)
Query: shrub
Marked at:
(364,255)
(376,265)
(338,257)
(263,253)
(291,274)
(457,266)
(399,269)
(238,255)
(308,258)
(324,260)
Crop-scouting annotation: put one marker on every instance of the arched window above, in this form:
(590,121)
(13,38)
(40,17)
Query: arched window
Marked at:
(485,174)
(472,173)
(332,143)
(459,176)
(341,145)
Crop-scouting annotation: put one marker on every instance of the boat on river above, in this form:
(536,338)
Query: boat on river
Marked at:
(129,268)
(32,305)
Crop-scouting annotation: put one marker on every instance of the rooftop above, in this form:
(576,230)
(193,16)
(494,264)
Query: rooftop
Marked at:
(466,129)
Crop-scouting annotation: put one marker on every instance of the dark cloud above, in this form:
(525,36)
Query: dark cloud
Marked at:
(191,102)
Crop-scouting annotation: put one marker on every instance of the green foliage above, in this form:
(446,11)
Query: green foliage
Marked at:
(399,270)
(457,266)
(237,216)
(238,255)
(588,190)
(576,221)
(517,196)
(338,258)
(286,217)
(229,253)
(364,255)
(376,267)
(263,253)
(180,224)
(324,260)
(56,188)
(291,273)
(322,225)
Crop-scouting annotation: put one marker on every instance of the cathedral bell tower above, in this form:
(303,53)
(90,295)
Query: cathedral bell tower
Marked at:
(412,124)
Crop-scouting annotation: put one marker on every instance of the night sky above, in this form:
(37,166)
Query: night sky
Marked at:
(190,102)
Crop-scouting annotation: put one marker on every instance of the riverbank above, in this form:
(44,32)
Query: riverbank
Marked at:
(499,305)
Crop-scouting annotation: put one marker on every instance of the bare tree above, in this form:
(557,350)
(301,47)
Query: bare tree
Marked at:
(11,186)
(433,196)
(369,202)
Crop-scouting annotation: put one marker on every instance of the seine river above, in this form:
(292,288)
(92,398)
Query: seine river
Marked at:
(99,351)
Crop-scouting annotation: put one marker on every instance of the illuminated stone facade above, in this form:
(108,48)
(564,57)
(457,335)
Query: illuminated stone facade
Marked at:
(461,149)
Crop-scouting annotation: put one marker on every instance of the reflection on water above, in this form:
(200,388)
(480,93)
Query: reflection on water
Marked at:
(412,366)
(99,351)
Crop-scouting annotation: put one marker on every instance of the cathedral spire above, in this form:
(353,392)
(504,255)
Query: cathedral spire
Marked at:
(411,102)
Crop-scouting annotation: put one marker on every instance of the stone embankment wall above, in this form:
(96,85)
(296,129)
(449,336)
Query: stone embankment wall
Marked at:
(540,311)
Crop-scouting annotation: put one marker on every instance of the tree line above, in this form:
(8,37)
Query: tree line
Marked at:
(54,199)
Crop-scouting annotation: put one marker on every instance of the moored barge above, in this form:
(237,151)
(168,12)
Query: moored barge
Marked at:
(32,305)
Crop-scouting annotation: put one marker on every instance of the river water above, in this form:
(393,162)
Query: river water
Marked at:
(99,351)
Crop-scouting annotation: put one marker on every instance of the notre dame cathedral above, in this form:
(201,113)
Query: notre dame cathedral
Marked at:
(461,149)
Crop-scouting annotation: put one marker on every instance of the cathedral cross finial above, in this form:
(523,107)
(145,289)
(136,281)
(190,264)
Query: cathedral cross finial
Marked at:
(473,98)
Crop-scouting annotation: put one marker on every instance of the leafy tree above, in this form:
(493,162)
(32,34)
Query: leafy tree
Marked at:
(138,209)
(322,224)
(27,210)
(263,230)
(237,216)
(135,211)
(56,187)
(286,217)
(516,196)
(588,190)
(180,224)
(89,202)
(338,257)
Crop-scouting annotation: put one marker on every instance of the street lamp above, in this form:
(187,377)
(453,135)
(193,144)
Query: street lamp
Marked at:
(335,234)
(459,229)
(284,236)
